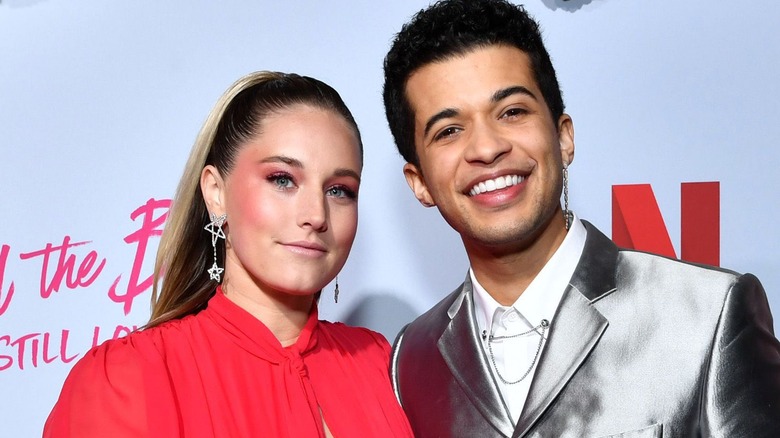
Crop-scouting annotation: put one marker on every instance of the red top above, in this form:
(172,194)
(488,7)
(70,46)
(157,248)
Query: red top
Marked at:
(222,373)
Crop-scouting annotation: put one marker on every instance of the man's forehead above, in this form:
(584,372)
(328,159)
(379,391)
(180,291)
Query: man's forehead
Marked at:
(477,74)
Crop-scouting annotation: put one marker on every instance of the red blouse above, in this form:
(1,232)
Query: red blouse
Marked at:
(222,373)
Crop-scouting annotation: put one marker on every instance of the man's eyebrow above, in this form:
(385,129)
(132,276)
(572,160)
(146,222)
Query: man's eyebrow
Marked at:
(497,97)
(443,114)
(509,91)
(283,159)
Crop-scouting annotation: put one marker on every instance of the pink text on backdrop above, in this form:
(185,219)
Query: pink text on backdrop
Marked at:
(150,227)
(35,352)
(42,349)
(637,222)
(66,267)
(4,302)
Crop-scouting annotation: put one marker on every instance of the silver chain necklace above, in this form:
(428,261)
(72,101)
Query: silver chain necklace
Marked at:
(544,324)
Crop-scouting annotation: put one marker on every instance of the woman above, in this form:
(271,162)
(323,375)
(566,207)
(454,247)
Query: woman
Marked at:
(274,178)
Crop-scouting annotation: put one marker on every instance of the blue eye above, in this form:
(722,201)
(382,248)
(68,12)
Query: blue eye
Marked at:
(282,180)
(341,192)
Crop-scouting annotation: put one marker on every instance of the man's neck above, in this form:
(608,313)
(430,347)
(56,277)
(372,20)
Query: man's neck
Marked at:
(506,272)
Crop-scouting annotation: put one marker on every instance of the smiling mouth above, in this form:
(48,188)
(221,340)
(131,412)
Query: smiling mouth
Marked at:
(490,185)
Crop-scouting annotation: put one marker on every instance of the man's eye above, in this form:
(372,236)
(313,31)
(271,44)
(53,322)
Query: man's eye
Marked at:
(513,112)
(446,132)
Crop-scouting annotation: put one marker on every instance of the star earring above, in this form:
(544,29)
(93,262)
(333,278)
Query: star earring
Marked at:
(215,228)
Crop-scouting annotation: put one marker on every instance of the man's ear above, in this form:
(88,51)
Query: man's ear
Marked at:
(417,183)
(212,186)
(566,138)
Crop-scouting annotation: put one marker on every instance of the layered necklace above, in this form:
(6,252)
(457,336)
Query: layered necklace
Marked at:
(490,338)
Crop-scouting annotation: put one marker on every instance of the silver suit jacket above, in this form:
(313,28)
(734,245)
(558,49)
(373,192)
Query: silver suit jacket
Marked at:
(640,346)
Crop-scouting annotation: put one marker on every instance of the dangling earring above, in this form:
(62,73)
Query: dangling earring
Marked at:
(566,212)
(215,228)
(336,291)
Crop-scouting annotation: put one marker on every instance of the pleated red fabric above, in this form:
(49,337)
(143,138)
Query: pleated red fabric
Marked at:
(222,373)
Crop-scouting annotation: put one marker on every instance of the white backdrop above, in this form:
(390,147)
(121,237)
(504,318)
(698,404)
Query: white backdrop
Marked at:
(100,102)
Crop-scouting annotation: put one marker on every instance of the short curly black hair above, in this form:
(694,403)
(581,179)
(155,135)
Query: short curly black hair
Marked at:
(454,27)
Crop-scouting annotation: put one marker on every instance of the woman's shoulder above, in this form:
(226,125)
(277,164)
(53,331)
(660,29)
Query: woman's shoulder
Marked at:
(105,385)
(351,331)
(119,365)
(139,346)
(117,379)
(355,338)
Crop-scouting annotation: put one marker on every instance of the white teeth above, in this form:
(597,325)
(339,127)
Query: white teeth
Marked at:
(495,184)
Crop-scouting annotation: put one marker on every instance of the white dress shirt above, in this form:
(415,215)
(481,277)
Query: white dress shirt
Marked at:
(512,358)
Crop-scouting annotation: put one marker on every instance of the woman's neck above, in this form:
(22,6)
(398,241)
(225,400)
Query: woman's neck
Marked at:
(284,314)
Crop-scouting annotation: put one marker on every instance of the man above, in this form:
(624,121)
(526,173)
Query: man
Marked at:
(555,332)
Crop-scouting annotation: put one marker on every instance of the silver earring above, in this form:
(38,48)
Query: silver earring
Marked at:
(336,291)
(215,228)
(566,212)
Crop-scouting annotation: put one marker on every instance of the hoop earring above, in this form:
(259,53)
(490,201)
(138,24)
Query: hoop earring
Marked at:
(566,213)
(336,291)
(215,228)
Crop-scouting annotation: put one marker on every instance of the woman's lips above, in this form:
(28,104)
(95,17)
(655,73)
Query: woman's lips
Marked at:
(304,247)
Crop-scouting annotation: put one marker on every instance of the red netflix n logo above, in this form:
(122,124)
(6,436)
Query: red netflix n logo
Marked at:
(637,222)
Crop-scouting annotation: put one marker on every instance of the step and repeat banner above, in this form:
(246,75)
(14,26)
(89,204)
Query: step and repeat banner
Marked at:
(674,105)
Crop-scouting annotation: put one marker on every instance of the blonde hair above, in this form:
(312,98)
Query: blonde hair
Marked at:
(185,247)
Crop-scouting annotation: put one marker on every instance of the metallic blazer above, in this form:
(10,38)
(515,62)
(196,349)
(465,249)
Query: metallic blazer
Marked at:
(640,346)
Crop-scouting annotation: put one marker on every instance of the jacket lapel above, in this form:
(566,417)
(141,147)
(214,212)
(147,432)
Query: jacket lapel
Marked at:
(463,354)
(576,327)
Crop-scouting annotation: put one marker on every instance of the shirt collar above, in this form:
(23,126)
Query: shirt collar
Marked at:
(541,297)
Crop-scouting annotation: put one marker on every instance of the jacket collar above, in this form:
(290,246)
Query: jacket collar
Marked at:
(460,348)
(577,327)
(576,330)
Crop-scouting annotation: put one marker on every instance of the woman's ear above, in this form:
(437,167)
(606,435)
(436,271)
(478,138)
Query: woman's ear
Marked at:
(212,187)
